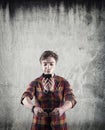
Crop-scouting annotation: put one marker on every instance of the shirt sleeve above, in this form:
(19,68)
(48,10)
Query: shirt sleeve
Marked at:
(30,92)
(68,94)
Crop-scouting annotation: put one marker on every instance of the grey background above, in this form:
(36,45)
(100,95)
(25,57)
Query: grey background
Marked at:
(78,37)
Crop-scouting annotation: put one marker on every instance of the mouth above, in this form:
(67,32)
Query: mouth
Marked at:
(48,71)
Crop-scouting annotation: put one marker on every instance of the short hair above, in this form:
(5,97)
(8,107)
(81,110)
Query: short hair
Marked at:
(47,54)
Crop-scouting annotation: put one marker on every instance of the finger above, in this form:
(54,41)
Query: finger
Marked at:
(46,80)
(40,110)
(55,110)
(46,88)
(51,82)
(47,84)
(51,79)
(43,80)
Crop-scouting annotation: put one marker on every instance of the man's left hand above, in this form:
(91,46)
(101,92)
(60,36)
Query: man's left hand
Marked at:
(59,111)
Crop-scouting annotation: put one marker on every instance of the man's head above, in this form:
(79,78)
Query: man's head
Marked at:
(48,61)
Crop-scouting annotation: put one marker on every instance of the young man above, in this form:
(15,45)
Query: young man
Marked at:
(53,96)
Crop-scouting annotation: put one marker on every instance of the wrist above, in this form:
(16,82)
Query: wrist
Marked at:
(32,109)
(62,108)
(67,105)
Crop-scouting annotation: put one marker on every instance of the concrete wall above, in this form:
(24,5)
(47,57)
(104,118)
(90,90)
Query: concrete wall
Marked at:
(79,39)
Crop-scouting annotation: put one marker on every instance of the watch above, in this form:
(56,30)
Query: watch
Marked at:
(33,108)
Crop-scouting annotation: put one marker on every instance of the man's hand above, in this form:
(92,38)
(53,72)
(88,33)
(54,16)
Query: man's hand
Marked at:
(51,84)
(48,84)
(58,111)
(45,84)
(38,110)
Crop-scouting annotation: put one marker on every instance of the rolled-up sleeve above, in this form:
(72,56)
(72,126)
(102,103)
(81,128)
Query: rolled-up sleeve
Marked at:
(68,94)
(30,92)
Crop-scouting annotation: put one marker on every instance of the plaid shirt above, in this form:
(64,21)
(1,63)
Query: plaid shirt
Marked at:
(62,92)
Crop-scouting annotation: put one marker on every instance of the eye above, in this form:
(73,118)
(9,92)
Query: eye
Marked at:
(51,64)
(45,64)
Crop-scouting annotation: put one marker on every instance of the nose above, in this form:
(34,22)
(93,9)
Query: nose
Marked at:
(48,66)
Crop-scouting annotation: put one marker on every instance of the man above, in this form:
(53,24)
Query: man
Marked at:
(53,96)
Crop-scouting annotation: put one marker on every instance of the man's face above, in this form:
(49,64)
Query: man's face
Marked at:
(48,65)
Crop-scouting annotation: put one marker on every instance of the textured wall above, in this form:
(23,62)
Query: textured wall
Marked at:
(78,37)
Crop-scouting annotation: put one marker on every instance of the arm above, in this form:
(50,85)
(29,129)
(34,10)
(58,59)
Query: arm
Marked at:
(67,105)
(27,102)
(69,97)
(28,96)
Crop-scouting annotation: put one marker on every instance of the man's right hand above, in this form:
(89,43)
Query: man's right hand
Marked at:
(38,110)
(45,84)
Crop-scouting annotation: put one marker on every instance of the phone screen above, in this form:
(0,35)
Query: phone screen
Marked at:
(47,76)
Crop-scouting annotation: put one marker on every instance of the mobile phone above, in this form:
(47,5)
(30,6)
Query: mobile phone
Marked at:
(47,76)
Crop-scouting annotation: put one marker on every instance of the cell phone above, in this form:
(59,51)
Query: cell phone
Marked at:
(47,76)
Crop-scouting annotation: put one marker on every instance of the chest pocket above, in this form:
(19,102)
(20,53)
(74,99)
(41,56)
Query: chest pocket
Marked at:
(39,93)
(59,92)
